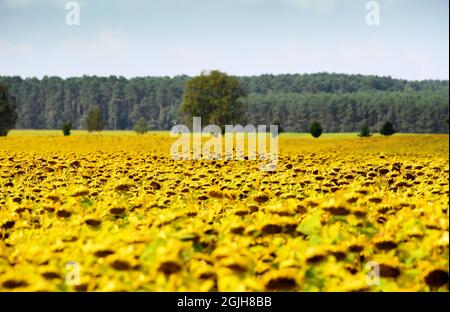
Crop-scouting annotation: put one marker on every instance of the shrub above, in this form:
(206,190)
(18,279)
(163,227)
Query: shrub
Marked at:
(141,126)
(365,131)
(387,129)
(316,129)
(67,127)
(94,120)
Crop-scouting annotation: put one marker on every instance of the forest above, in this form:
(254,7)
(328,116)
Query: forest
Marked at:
(340,102)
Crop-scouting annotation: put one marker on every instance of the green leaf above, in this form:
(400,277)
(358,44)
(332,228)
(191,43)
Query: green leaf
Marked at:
(311,224)
(86,202)
(150,251)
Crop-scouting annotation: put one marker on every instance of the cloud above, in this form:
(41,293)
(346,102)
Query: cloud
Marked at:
(107,43)
(13,50)
(300,54)
(420,59)
(365,50)
(18,4)
(26,4)
(188,55)
(381,57)
(318,7)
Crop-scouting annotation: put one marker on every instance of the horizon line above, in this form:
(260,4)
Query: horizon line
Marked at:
(239,76)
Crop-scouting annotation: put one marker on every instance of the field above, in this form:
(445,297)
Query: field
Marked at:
(113,212)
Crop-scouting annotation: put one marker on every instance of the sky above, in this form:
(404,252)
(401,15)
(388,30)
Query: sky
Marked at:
(133,38)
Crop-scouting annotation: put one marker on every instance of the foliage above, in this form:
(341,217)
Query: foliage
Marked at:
(213,96)
(8,113)
(365,131)
(316,129)
(387,129)
(141,126)
(415,112)
(341,102)
(94,120)
(67,127)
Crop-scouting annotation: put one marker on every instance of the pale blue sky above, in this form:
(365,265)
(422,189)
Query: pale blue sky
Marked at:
(242,37)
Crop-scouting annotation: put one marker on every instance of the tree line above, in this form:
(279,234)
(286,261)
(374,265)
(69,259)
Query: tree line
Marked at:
(412,112)
(342,103)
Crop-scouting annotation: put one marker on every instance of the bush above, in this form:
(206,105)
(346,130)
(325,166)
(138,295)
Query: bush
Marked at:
(94,120)
(387,129)
(365,131)
(316,129)
(141,126)
(67,127)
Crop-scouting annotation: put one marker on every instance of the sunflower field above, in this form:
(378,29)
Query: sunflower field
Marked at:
(114,212)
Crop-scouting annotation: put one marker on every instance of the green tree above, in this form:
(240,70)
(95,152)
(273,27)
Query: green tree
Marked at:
(94,120)
(316,129)
(67,127)
(365,131)
(141,126)
(341,102)
(214,97)
(8,115)
(387,129)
